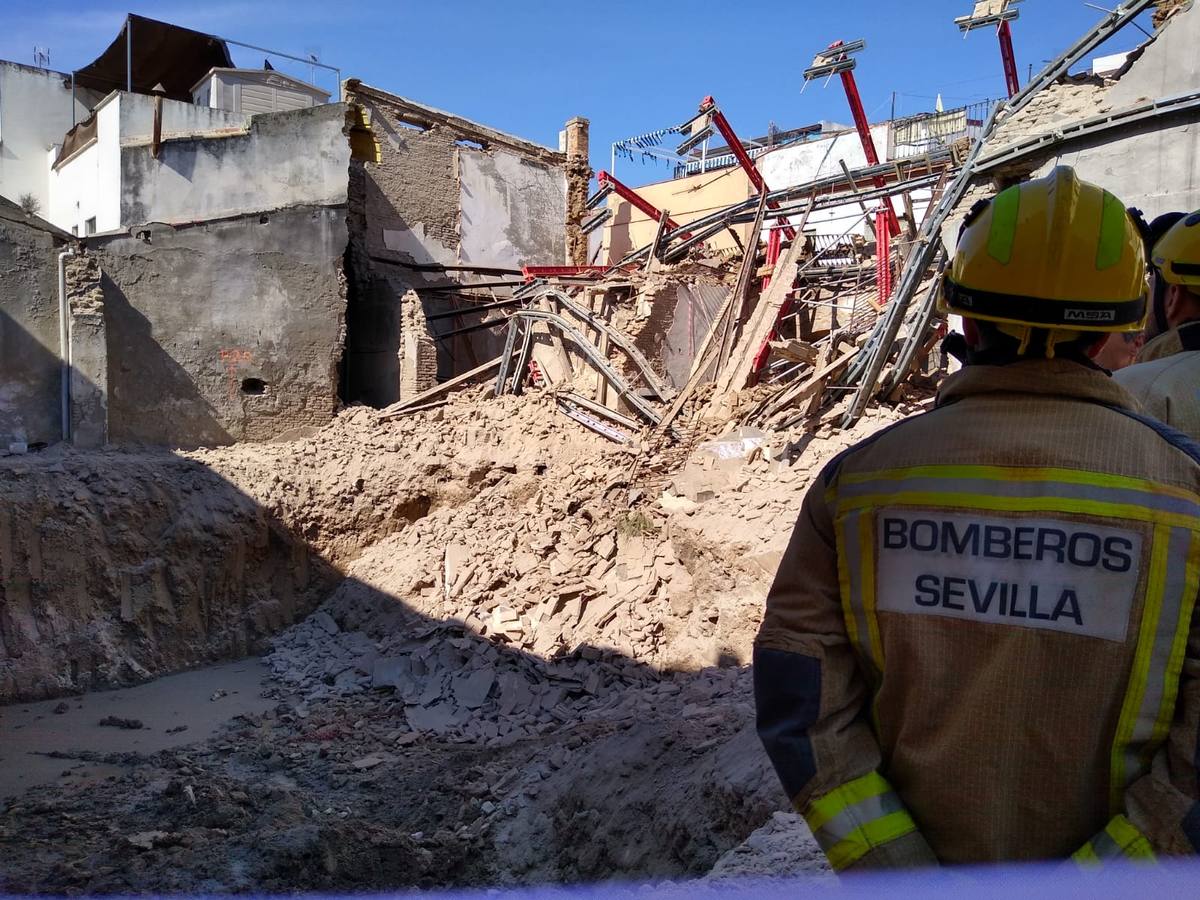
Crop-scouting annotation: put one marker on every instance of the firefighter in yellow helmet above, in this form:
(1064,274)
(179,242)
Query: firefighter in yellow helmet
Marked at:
(1166,380)
(979,644)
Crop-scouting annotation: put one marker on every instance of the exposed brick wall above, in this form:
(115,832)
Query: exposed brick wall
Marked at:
(414,186)
(579,177)
(89,352)
(418,356)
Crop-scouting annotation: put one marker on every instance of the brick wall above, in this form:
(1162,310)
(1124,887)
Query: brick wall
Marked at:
(418,357)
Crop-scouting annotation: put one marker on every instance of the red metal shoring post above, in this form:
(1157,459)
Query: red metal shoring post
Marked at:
(774,244)
(868,143)
(1011,78)
(739,152)
(883,256)
(635,199)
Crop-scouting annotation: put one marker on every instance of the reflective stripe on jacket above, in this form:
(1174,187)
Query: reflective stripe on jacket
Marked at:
(979,644)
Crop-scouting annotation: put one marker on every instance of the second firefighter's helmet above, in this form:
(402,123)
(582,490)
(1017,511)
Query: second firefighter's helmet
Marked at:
(1055,253)
(1176,256)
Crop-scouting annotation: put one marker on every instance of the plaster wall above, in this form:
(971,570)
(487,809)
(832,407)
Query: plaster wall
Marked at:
(512,211)
(30,375)
(224,331)
(285,159)
(35,113)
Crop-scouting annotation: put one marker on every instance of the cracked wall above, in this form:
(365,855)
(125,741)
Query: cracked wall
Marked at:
(445,193)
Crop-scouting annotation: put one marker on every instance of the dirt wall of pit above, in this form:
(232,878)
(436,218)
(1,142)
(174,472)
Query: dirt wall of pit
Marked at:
(117,567)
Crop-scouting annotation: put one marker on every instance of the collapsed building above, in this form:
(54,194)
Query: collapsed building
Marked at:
(253,253)
(500,493)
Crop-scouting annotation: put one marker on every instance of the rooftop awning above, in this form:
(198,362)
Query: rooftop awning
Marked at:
(156,52)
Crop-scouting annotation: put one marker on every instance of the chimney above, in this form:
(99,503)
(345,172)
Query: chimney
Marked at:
(579,177)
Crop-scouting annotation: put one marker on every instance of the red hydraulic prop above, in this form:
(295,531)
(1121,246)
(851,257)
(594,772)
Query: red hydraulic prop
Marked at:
(774,245)
(1011,79)
(708,105)
(628,194)
(883,256)
(864,133)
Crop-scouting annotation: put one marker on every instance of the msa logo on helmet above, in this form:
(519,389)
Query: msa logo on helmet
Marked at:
(1089,315)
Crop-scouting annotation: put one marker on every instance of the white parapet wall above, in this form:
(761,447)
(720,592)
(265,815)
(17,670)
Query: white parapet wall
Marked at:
(210,164)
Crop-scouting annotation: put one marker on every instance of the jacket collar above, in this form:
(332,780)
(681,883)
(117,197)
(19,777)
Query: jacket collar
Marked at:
(1176,340)
(1048,377)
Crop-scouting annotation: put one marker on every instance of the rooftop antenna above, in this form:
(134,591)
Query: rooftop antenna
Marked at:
(998,13)
(41,57)
(314,59)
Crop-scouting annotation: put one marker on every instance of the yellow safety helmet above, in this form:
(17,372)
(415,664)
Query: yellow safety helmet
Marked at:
(1055,253)
(1177,253)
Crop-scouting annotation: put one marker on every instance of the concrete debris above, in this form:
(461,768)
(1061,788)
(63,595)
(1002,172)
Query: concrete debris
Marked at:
(117,722)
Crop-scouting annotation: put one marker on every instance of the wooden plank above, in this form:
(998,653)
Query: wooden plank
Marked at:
(741,290)
(652,256)
(814,403)
(758,330)
(442,388)
(797,393)
(798,351)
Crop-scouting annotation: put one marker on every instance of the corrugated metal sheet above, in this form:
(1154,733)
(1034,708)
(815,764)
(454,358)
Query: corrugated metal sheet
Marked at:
(696,307)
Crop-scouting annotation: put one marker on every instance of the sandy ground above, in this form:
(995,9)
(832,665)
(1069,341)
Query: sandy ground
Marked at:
(58,741)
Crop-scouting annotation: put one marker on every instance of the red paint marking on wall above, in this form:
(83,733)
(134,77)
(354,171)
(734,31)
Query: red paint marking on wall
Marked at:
(233,358)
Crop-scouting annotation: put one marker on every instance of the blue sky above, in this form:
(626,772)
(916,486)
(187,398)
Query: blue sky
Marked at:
(525,66)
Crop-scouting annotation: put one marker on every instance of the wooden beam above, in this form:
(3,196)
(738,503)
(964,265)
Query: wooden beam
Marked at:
(758,330)
(797,393)
(741,290)
(444,387)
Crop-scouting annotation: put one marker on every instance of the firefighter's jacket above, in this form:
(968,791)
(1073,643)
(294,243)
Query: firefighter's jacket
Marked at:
(1166,379)
(979,645)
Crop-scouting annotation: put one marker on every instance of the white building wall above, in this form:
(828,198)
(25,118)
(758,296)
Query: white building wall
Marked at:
(795,164)
(35,113)
(89,183)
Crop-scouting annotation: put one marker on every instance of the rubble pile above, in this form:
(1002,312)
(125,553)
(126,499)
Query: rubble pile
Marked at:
(567,619)
(549,557)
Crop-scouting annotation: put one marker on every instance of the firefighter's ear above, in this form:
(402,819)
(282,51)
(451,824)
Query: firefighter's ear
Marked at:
(954,344)
(971,333)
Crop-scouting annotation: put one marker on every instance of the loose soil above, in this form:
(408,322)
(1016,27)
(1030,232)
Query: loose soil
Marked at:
(521,657)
